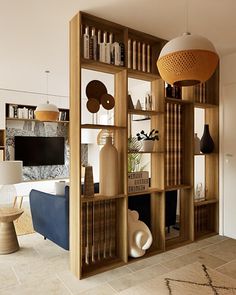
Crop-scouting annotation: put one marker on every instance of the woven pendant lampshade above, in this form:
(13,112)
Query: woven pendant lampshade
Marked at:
(187,60)
(47,112)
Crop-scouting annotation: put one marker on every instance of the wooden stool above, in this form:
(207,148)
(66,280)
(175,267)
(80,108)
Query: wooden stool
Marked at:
(8,238)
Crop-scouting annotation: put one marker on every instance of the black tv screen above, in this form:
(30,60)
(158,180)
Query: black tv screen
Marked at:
(40,151)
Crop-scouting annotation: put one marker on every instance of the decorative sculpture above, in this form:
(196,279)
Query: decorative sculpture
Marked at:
(97,94)
(139,235)
(88,182)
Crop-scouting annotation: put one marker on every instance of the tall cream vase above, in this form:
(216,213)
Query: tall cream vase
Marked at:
(108,183)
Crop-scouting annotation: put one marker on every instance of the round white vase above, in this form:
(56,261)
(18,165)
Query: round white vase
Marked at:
(108,168)
(148,145)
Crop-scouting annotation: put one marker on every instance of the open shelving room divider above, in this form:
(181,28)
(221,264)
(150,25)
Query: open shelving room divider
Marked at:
(94,246)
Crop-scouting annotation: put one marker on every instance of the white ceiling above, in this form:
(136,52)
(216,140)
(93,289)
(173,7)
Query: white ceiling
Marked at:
(34,34)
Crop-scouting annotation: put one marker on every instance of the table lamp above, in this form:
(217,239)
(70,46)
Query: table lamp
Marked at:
(10,172)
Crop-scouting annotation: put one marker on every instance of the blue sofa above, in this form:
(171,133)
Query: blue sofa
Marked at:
(50,215)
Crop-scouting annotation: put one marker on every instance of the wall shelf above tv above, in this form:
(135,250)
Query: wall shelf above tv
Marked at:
(26,113)
(34,120)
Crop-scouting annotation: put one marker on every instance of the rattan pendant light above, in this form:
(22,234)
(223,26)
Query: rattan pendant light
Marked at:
(187,60)
(47,111)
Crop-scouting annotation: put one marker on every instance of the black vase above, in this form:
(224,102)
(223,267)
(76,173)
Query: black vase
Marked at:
(206,142)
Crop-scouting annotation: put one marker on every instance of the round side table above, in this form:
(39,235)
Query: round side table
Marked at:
(8,238)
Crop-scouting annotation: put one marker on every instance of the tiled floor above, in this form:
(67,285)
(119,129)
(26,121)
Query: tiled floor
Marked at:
(40,267)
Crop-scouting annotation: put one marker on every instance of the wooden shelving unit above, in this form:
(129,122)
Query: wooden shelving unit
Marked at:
(2,145)
(171,162)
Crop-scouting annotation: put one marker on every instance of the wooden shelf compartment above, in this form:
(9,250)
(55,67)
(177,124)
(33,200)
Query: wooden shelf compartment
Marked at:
(150,209)
(204,95)
(205,219)
(179,144)
(118,32)
(103,235)
(184,203)
(98,197)
(155,47)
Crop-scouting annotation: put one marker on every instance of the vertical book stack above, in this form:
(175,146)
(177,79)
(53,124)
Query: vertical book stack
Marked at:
(100,46)
(139,56)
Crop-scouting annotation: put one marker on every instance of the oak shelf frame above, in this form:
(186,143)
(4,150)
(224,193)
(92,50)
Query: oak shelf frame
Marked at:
(149,191)
(144,152)
(205,202)
(144,112)
(178,101)
(100,66)
(35,120)
(99,126)
(121,130)
(204,105)
(98,198)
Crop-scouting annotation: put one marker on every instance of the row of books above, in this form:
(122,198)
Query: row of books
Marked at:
(139,56)
(100,46)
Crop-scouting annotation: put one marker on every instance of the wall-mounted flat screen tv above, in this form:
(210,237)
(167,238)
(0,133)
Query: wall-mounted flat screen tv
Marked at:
(40,151)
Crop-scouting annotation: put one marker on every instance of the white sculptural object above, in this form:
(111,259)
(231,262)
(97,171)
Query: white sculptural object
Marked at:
(139,235)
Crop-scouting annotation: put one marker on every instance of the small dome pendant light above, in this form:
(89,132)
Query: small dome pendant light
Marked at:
(187,60)
(47,111)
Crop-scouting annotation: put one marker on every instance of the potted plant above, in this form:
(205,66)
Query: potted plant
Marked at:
(138,179)
(148,139)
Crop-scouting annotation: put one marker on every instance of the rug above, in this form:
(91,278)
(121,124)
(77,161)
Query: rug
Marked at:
(199,279)
(193,279)
(24,224)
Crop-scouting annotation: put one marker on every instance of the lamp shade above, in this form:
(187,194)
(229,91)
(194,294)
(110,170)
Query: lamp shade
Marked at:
(10,172)
(187,60)
(47,112)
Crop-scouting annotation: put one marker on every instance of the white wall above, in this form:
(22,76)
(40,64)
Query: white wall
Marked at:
(228,146)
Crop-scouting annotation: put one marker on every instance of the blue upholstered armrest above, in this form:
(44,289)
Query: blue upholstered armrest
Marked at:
(50,215)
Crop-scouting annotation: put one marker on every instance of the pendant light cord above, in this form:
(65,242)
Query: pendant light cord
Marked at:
(186,17)
(47,73)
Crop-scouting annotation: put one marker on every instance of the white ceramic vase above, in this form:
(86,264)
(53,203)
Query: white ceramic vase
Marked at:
(148,145)
(108,167)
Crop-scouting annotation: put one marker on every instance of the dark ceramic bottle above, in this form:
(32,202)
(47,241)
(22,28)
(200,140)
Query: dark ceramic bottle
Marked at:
(206,143)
